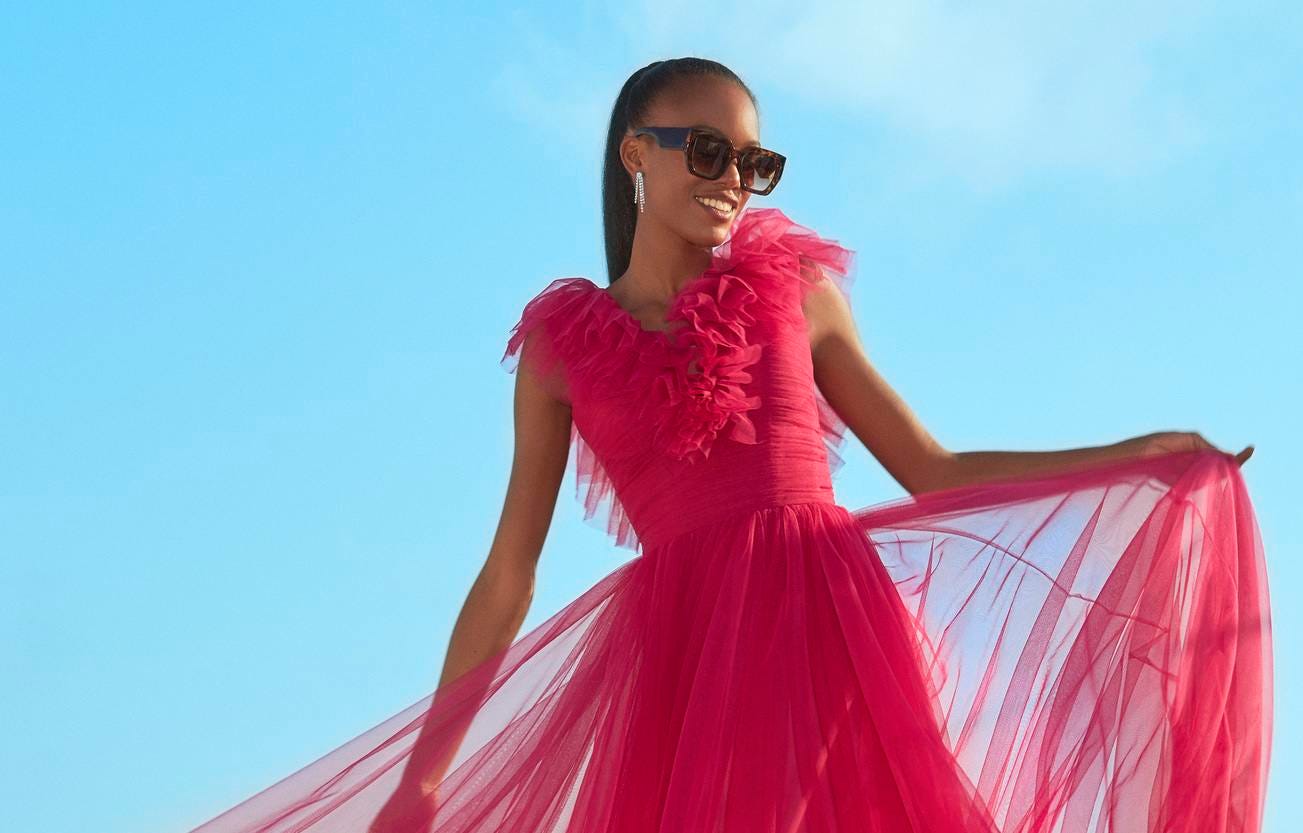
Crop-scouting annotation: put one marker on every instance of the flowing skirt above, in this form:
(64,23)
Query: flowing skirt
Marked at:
(1084,651)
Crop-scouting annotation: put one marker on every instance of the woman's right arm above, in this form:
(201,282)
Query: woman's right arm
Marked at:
(501,594)
(500,597)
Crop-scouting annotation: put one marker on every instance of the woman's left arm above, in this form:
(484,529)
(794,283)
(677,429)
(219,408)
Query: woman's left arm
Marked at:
(894,435)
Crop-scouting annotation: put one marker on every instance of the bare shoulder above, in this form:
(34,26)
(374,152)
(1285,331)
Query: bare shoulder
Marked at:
(827,313)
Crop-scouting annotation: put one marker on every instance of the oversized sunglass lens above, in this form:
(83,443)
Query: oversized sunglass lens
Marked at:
(708,155)
(758,170)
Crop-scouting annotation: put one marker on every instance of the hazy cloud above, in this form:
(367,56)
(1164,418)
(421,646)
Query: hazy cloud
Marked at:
(990,92)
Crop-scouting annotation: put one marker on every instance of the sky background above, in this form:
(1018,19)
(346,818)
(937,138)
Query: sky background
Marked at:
(258,264)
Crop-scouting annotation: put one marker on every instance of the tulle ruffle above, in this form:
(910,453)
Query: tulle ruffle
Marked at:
(768,250)
(1087,652)
(1098,641)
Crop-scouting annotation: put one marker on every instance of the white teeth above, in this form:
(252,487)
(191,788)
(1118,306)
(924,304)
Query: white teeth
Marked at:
(718,205)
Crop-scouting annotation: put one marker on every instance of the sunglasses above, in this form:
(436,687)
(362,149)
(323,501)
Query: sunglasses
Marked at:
(708,154)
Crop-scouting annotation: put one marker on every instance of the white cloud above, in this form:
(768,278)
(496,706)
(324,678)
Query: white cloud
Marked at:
(999,89)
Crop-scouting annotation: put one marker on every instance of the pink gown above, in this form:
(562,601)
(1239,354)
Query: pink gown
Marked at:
(1083,651)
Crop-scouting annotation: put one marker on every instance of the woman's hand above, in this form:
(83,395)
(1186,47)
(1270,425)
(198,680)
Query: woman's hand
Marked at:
(410,809)
(1161,442)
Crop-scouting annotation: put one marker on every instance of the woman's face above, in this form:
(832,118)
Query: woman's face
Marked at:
(672,194)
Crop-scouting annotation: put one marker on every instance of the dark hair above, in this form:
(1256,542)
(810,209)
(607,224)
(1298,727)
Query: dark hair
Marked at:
(619,214)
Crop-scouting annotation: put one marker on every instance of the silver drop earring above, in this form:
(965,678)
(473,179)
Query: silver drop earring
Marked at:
(639,196)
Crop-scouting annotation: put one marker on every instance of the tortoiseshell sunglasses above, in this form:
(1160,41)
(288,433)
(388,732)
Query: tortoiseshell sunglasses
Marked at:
(708,154)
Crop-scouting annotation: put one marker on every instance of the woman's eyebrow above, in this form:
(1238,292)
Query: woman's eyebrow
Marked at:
(720,133)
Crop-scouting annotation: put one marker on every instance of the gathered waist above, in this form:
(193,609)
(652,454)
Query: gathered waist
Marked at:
(655,536)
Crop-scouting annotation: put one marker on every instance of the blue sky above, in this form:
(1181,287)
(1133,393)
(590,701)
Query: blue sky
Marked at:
(259,266)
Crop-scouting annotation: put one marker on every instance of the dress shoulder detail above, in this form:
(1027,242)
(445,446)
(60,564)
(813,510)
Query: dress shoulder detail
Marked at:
(532,340)
(775,247)
(770,249)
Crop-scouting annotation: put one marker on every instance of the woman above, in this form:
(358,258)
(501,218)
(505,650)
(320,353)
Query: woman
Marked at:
(1071,640)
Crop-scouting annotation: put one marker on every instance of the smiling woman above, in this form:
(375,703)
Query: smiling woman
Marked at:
(1071,641)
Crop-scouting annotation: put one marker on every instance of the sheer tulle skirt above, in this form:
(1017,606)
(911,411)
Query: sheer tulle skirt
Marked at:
(1088,651)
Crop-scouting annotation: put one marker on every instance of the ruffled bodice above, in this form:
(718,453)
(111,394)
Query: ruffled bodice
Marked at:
(719,412)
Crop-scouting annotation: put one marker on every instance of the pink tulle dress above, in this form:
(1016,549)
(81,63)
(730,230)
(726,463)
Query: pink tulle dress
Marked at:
(1083,651)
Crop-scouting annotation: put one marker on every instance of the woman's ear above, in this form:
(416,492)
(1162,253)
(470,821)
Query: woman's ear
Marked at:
(631,154)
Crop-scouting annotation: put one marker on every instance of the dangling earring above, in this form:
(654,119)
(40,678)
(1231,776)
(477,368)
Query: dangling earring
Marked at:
(638,196)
